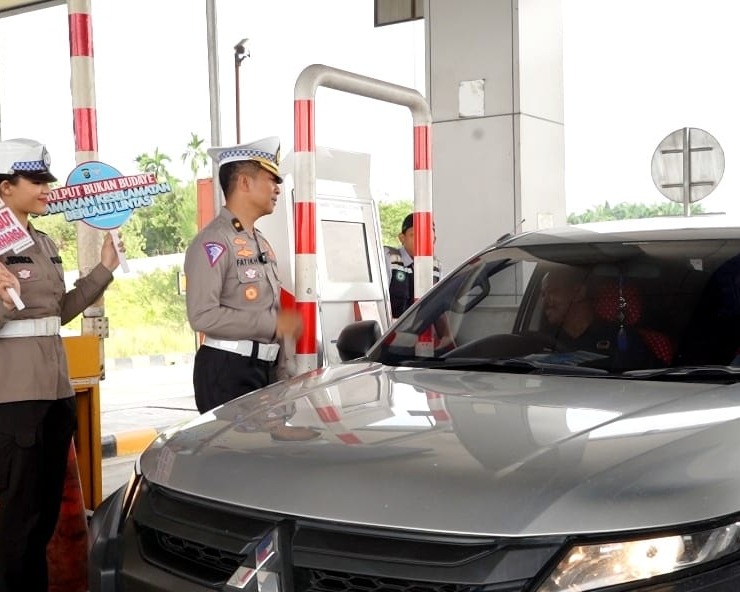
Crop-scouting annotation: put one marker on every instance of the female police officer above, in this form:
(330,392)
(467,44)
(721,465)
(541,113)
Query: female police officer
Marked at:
(37,405)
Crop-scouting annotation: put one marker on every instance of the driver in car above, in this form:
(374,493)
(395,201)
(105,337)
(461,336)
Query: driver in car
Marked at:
(580,334)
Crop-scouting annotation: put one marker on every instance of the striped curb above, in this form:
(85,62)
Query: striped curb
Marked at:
(126,443)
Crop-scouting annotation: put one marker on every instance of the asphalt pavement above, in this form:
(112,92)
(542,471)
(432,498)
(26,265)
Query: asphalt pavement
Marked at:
(137,401)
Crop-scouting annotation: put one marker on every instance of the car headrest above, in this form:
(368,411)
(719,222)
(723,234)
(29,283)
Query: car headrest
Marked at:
(606,301)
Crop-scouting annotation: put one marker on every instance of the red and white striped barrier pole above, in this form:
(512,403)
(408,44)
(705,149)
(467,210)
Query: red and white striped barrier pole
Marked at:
(423,224)
(423,227)
(85,124)
(82,81)
(331,415)
(437,408)
(304,148)
(305,187)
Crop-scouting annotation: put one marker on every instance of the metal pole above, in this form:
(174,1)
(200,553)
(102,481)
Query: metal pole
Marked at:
(240,52)
(304,172)
(237,63)
(686,171)
(212,40)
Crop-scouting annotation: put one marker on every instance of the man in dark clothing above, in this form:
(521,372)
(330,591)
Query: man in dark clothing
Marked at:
(400,266)
(575,327)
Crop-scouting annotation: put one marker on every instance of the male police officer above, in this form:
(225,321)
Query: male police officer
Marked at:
(400,266)
(233,293)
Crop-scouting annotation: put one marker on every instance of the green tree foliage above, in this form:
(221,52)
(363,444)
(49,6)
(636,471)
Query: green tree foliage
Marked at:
(151,299)
(195,155)
(170,224)
(158,222)
(64,234)
(631,211)
(147,315)
(391,218)
(166,227)
(154,163)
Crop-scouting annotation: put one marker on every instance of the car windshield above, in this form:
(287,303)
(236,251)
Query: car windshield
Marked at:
(642,308)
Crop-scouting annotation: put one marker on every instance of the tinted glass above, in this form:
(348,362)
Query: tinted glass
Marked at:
(614,306)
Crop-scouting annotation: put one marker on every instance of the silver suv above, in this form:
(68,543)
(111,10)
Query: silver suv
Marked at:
(558,414)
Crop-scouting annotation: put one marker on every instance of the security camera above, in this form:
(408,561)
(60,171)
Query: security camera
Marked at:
(239,48)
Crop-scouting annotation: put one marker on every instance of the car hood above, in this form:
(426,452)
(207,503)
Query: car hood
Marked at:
(465,452)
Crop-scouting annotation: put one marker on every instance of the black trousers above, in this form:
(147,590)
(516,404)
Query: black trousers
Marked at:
(34,443)
(220,376)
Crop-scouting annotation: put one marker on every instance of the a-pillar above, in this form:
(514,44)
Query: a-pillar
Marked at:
(495,86)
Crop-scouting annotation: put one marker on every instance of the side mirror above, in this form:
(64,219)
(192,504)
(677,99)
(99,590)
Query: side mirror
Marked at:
(356,339)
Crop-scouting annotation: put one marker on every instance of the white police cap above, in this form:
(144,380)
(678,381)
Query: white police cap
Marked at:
(27,158)
(266,152)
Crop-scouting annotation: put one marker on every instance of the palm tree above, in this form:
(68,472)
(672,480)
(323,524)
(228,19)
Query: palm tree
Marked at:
(154,163)
(195,154)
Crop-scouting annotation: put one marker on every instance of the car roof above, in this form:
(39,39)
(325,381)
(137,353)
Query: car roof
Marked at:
(644,229)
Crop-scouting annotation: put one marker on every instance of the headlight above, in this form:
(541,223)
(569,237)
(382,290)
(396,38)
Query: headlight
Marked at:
(588,567)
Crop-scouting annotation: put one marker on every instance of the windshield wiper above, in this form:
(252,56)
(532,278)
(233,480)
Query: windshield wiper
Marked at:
(514,365)
(709,373)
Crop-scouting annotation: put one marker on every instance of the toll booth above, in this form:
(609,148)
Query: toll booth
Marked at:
(351,277)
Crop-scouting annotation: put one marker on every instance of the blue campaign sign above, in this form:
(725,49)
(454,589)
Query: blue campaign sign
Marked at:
(100,196)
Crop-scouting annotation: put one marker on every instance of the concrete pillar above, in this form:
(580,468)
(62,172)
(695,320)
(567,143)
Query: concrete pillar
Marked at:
(495,86)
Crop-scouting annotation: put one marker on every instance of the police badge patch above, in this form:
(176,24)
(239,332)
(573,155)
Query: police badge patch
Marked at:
(213,252)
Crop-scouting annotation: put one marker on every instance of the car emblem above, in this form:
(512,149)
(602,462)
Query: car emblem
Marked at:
(261,570)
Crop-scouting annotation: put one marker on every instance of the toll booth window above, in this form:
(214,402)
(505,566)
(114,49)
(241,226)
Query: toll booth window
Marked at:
(345,249)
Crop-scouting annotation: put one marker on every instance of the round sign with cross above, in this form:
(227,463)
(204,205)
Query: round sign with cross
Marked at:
(688,165)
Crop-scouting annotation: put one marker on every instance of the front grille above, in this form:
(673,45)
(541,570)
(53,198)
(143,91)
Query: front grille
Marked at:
(204,542)
(318,580)
(209,557)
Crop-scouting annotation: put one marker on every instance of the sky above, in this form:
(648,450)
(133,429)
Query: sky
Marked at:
(151,70)
(634,71)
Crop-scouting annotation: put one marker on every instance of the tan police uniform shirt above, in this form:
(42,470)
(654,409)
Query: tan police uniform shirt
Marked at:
(230,294)
(35,368)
